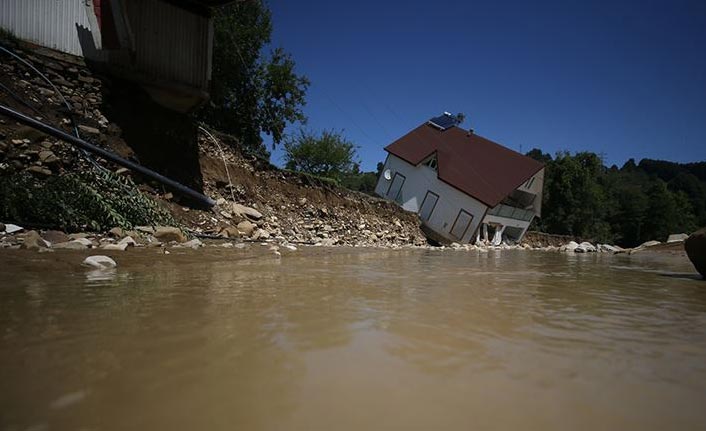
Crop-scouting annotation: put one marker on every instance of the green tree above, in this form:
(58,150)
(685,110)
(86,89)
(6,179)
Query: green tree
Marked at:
(251,93)
(328,155)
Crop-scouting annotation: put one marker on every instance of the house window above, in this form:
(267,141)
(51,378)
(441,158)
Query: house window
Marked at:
(428,205)
(394,192)
(431,162)
(461,224)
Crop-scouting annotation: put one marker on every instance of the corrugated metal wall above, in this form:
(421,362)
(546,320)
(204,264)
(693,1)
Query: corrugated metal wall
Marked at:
(170,42)
(50,23)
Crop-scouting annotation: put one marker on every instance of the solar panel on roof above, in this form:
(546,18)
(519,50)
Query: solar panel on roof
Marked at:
(444,122)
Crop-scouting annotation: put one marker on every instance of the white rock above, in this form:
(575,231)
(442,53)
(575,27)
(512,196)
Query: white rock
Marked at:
(289,247)
(571,246)
(648,244)
(677,237)
(85,241)
(194,243)
(75,244)
(99,262)
(585,247)
(247,211)
(121,247)
(128,241)
(605,248)
(12,228)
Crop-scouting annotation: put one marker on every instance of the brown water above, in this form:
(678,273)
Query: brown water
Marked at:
(352,340)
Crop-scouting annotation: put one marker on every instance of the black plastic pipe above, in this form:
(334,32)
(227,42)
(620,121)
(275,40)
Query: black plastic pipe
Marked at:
(60,134)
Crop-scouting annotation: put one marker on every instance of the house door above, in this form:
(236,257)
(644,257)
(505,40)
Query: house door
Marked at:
(396,187)
(461,224)
(428,205)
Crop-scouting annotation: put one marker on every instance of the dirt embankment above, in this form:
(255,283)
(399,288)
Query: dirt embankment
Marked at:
(255,200)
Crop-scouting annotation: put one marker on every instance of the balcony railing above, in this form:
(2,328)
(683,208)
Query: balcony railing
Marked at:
(511,212)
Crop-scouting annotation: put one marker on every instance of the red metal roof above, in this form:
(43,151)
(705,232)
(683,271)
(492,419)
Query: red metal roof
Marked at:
(477,166)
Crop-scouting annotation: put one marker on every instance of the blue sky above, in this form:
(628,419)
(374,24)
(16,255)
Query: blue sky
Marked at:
(623,78)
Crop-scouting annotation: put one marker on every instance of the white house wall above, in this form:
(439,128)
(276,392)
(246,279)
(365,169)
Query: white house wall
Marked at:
(419,180)
(49,23)
(536,188)
(171,43)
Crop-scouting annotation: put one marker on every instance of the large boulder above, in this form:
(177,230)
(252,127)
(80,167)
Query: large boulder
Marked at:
(571,246)
(168,234)
(55,236)
(695,247)
(246,227)
(33,241)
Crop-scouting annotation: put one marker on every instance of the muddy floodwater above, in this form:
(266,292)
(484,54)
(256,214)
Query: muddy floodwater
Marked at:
(345,339)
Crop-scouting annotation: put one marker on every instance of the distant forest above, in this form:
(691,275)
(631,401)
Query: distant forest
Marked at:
(625,206)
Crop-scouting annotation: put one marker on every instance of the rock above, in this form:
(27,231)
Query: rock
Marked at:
(648,244)
(85,241)
(128,242)
(121,247)
(695,247)
(55,236)
(76,244)
(39,171)
(194,243)
(242,210)
(289,247)
(99,262)
(246,227)
(117,232)
(571,246)
(260,234)
(229,232)
(33,241)
(167,234)
(89,130)
(220,201)
(327,242)
(13,228)
(677,237)
(48,157)
(605,248)
(585,247)
(227,245)
(29,133)
(78,235)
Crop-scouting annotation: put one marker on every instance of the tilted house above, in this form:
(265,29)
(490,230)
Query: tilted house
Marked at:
(462,185)
(165,46)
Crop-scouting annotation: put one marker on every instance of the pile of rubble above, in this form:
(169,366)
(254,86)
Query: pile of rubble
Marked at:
(25,149)
(255,200)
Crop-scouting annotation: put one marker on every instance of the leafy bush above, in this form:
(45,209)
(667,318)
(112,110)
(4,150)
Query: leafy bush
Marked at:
(90,200)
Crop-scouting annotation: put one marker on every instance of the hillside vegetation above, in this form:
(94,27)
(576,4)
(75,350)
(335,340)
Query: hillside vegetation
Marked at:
(627,205)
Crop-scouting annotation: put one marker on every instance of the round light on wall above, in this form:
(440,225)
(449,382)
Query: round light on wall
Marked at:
(387,174)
